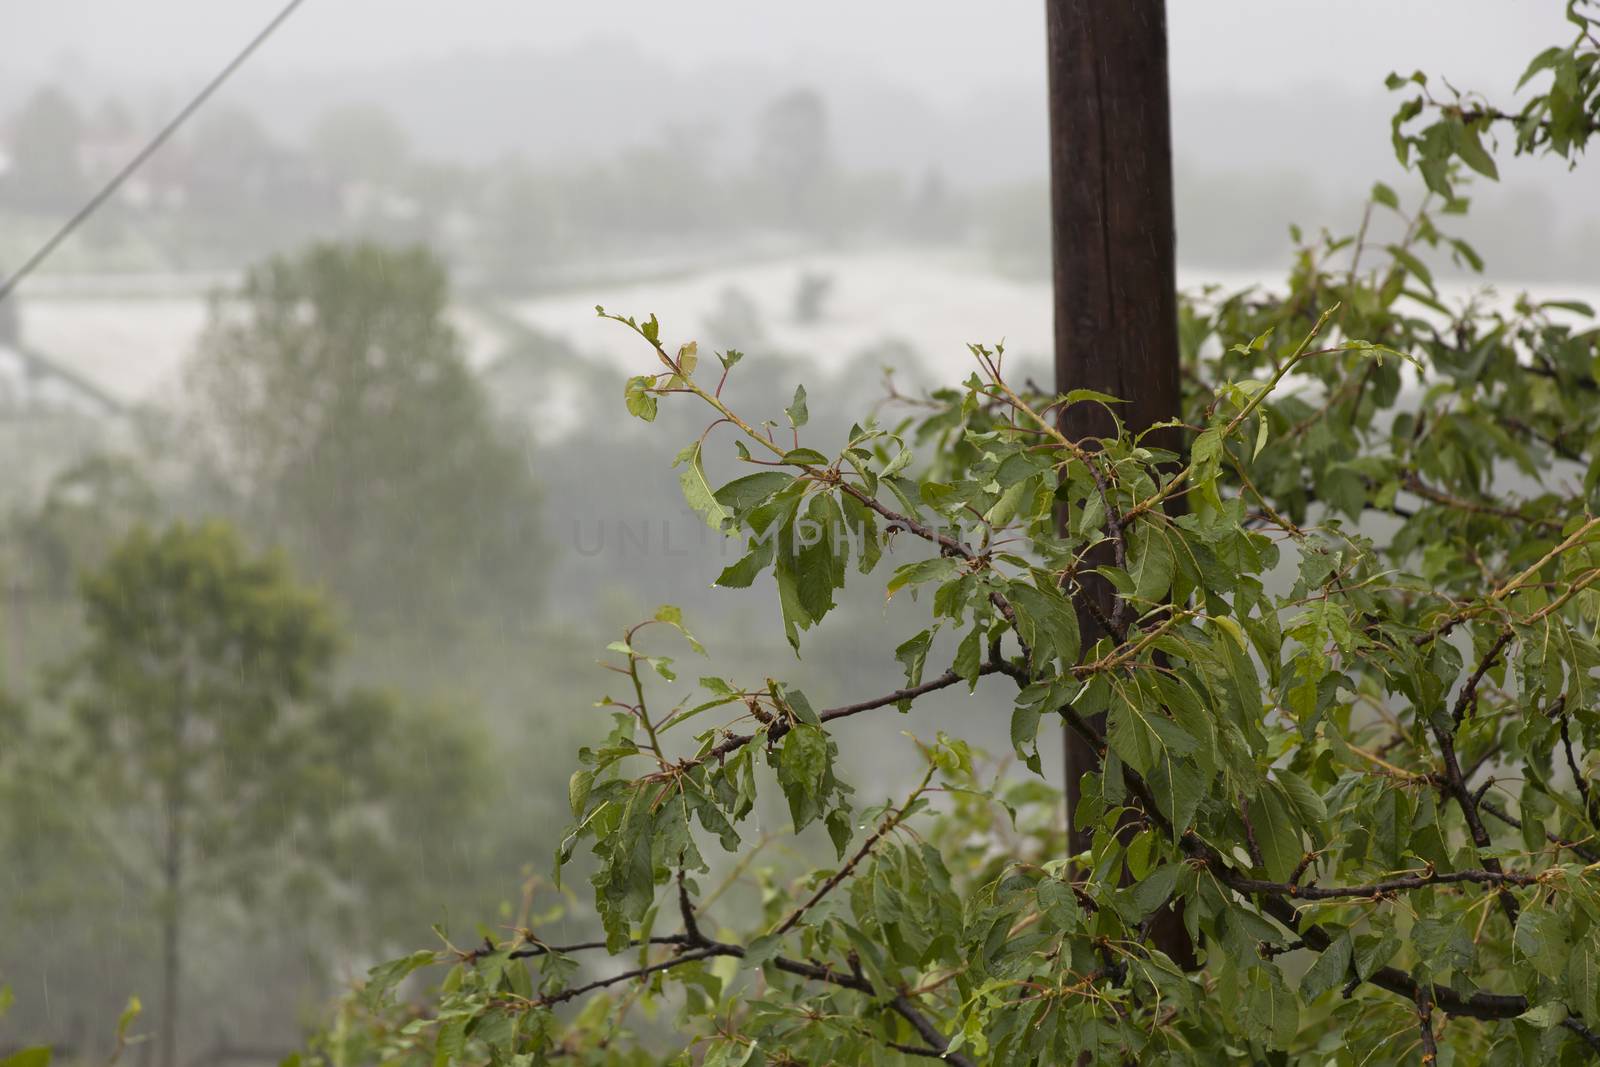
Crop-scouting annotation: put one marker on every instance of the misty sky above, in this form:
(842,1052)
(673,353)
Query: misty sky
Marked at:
(939,48)
(1286,92)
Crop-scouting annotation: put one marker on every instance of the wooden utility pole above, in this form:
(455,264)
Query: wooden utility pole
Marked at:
(1112,234)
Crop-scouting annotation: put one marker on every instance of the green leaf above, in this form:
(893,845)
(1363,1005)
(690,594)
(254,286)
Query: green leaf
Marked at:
(578,787)
(1412,264)
(640,403)
(900,462)
(1583,976)
(1151,564)
(921,572)
(1178,787)
(742,574)
(1206,452)
(1307,806)
(382,979)
(1329,969)
(760,951)
(1271,1008)
(1470,148)
(1154,889)
(795,615)
(37,1056)
(863,526)
(1059,903)
(697,490)
(688,358)
(913,656)
(1025,734)
(1047,621)
(742,494)
(1545,60)
(1542,937)
(672,615)
(1141,733)
(1546,1016)
(1276,833)
(1374,953)
(451,1042)
(1442,944)
(804,766)
(1078,396)
(839,830)
(969,657)
(1005,509)
(798,415)
(819,566)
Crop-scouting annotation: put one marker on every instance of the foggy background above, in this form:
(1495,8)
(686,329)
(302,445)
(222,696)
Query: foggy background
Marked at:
(832,187)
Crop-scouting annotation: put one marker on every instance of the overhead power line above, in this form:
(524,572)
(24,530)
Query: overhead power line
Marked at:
(145,153)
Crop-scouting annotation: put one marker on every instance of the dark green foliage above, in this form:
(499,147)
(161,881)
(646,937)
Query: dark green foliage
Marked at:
(1362,763)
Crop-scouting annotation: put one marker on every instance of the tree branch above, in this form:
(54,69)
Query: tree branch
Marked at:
(1588,855)
(1385,887)
(734,742)
(1589,1037)
(1572,761)
(1455,784)
(930,1033)
(695,946)
(885,826)
(1475,1005)
(1430,1046)
(627,976)
(1468,697)
(1415,484)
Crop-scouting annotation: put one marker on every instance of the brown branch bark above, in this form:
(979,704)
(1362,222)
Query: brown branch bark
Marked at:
(1430,1045)
(1385,887)
(734,742)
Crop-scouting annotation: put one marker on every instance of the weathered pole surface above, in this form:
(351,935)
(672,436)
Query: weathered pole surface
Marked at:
(1112,235)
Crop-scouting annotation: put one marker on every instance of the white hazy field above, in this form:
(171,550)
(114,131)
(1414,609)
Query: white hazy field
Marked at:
(134,346)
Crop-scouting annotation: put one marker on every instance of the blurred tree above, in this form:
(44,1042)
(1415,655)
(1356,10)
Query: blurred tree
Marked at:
(936,214)
(403,801)
(204,722)
(810,295)
(231,160)
(793,158)
(1012,223)
(343,421)
(245,194)
(736,321)
(46,135)
(86,508)
(528,219)
(361,143)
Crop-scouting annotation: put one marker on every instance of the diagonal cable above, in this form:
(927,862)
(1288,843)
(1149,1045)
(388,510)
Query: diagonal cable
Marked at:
(145,153)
